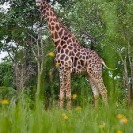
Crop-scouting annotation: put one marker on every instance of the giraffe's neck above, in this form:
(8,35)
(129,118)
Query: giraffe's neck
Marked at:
(59,33)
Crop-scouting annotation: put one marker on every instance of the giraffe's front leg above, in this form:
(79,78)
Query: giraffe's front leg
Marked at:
(62,88)
(68,88)
(61,97)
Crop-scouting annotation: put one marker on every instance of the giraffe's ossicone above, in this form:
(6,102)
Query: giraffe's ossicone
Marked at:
(73,58)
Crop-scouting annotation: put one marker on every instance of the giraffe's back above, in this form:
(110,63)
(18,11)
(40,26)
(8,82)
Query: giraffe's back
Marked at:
(85,58)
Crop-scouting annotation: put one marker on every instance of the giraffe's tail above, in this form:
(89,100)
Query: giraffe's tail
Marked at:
(108,67)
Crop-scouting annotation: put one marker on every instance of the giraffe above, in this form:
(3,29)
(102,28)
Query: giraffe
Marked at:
(73,58)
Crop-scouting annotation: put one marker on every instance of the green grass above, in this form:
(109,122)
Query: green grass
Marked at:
(21,118)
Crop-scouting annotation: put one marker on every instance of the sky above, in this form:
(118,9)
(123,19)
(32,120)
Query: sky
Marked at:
(3,7)
(2,55)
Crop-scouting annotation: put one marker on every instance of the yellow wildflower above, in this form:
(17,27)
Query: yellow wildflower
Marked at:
(124,120)
(51,54)
(101,126)
(57,64)
(119,131)
(65,116)
(74,96)
(78,108)
(119,116)
(5,102)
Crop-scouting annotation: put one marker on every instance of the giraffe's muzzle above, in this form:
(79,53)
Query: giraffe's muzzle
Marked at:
(38,4)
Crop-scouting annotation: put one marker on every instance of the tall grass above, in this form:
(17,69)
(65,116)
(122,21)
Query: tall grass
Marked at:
(21,118)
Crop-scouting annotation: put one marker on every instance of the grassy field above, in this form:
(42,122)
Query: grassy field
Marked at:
(20,118)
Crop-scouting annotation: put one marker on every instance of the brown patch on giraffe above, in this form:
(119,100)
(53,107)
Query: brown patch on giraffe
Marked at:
(74,45)
(57,27)
(66,51)
(63,42)
(77,54)
(82,62)
(52,28)
(64,46)
(62,56)
(60,33)
(52,23)
(51,13)
(69,41)
(65,38)
(84,57)
(59,49)
(55,35)
(66,58)
(57,43)
(75,61)
(70,47)
(62,51)
(87,57)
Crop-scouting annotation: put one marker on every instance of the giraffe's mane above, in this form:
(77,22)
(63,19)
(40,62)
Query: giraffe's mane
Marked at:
(62,24)
(65,27)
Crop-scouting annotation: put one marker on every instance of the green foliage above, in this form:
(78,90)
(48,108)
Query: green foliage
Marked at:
(85,22)
(21,118)
(6,77)
(7,93)
(105,26)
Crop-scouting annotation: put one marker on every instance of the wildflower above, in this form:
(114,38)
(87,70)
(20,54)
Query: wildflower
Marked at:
(51,54)
(78,108)
(65,116)
(124,120)
(119,116)
(74,96)
(57,64)
(5,102)
(119,131)
(101,126)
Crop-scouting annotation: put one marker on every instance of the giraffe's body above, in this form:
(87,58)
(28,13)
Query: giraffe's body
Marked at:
(73,58)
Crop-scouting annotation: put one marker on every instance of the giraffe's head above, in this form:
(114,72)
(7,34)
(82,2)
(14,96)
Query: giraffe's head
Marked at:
(38,2)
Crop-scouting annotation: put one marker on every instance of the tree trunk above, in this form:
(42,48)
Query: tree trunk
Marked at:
(131,74)
(126,76)
(127,82)
(132,79)
(38,83)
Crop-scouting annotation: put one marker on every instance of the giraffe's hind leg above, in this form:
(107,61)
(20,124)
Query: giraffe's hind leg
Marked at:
(102,89)
(95,91)
(96,76)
